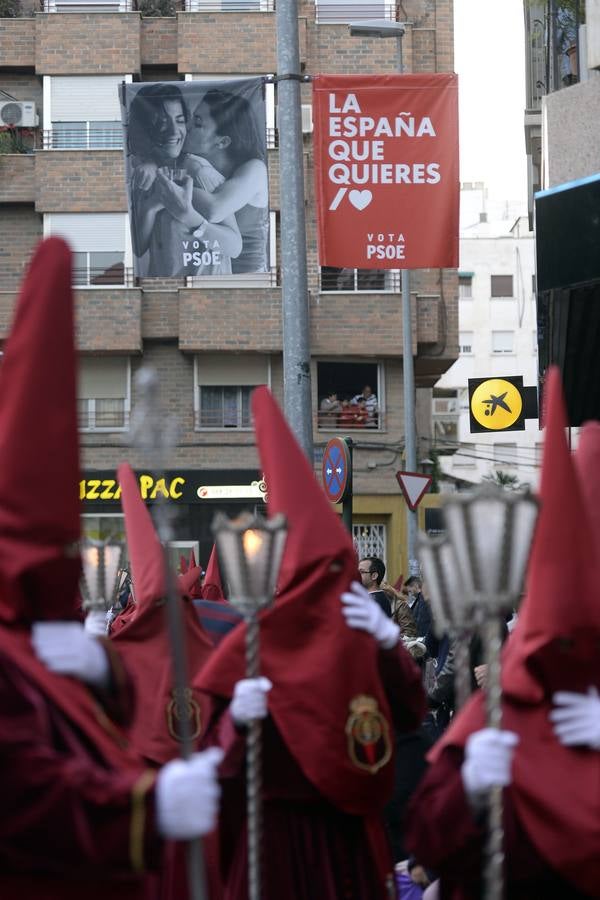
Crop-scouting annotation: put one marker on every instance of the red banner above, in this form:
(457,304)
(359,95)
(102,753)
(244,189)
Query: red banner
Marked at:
(386,170)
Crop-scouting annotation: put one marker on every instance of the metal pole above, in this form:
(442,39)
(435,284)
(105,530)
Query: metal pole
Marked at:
(294,291)
(348,499)
(253,766)
(408,377)
(410,447)
(494,851)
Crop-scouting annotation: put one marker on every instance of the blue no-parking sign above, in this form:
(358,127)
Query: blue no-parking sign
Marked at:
(336,469)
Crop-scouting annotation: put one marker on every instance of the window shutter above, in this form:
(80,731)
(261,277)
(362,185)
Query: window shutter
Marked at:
(90,231)
(102,377)
(83,98)
(225,369)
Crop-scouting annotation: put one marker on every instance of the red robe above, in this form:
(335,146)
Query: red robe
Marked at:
(77,817)
(311,849)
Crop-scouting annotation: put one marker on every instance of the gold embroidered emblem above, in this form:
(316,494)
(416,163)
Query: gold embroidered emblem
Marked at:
(189,709)
(368,733)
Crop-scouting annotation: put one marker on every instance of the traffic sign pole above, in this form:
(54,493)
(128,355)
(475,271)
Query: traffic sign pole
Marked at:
(347,502)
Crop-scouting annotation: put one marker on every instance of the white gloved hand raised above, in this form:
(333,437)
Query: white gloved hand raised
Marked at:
(187,795)
(362,612)
(250,700)
(576,718)
(95,623)
(488,759)
(65,648)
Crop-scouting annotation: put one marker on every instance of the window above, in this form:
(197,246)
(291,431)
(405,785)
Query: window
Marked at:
(98,241)
(347,380)
(81,112)
(465,287)
(229,5)
(104,393)
(354,280)
(86,6)
(224,385)
(370,540)
(465,343)
(330,12)
(502,285)
(503,341)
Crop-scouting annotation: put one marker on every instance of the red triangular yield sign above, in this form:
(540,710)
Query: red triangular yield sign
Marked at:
(413,485)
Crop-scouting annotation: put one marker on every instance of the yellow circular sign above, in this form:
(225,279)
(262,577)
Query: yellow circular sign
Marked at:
(496,404)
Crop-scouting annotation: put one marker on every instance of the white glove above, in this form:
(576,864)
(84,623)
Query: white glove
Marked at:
(361,611)
(576,718)
(95,623)
(187,795)
(65,648)
(488,759)
(250,700)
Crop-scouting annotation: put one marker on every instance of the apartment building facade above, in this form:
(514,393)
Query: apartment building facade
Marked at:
(497,338)
(209,341)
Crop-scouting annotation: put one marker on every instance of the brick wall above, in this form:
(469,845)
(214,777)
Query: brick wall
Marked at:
(233,319)
(109,320)
(20,231)
(358,324)
(203,37)
(22,85)
(87,44)
(74,181)
(159,42)
(17,43)
(17,178)
(160,315)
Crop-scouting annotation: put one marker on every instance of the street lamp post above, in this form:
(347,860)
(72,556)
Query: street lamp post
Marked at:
(384,28)
(251,549)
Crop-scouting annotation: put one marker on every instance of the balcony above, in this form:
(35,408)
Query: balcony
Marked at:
(330,12)
(83,136)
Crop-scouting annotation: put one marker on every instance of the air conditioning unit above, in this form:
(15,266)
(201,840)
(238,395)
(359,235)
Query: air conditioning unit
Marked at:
(307,122)
(18,113)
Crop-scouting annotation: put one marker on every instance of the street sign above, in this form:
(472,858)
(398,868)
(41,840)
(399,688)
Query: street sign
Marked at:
(500,404)
(336,469)
(414,485)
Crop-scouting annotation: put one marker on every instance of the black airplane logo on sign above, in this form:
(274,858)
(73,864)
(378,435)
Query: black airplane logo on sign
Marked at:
(495,402)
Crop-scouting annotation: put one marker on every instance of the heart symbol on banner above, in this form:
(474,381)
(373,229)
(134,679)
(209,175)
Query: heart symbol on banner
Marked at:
(360,199)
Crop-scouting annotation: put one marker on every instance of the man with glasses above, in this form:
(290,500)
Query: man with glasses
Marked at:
(372,573)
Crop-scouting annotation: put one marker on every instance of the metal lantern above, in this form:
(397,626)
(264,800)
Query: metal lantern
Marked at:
(491,531)
(452,611)
(250,549)
(101,562)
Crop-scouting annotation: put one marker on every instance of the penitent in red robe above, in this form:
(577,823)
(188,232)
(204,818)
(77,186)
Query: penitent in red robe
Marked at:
(311,848)
(77,816)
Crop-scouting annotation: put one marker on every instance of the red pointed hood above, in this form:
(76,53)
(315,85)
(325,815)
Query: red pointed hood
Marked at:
(145,550)
(548,649)
(188,583)
(142,636)
(320,668)
(315,533)
(183,565)
(587,465)
(39,455)
(212,589)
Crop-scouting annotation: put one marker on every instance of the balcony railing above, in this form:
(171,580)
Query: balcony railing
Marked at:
(82,138)
(115,276)
(103,414)
(351,419)
(330,12)
(373,281)
(255,280)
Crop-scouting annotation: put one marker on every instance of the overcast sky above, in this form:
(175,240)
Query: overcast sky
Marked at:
(489,59)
